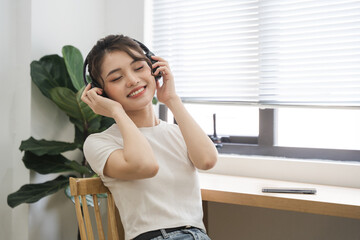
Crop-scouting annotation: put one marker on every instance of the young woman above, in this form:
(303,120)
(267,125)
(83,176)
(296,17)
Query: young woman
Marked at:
(150,166)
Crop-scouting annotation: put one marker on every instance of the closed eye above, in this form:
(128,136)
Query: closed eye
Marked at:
(115,79)
(137,69)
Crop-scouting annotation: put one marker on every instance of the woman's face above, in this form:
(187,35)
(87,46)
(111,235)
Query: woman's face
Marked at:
(128,81)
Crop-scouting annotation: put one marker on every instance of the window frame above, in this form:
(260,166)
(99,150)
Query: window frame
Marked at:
(264,144)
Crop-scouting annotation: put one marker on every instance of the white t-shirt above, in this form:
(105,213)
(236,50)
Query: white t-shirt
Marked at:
(170,199)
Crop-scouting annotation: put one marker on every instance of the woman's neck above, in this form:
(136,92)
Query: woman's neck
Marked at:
(144,117)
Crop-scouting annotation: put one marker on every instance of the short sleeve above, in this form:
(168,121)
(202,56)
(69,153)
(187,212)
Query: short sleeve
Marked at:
(97,149)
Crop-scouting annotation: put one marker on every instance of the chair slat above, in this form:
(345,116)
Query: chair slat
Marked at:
(120,227)
(112,220)
(91,186)
(89,229)
(98,218)
(80,218)
(80,187)
(109,235)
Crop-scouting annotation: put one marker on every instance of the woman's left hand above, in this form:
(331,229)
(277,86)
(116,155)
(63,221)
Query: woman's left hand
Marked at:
(166,92)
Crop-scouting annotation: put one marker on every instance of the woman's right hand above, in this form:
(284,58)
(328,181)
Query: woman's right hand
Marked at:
(99,104)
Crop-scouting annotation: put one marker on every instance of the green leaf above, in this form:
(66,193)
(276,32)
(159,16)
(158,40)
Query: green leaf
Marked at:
(42,78)
(78,124)
(79,137)
(86,111)
(78,168)
(65,99)
(55,65)
(71,104)
(41,147)
(106,123)
(30,193)
(94,125)
(52,164)
(155,101)
(74,64)
(50,72)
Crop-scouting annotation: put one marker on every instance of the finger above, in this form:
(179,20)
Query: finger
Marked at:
(160,64)
(95,92)
(92,94)
(99,91)
(88,86)
(157,58)
(163,69)
(83,97)
(86,100)
(86,89)
(158,85)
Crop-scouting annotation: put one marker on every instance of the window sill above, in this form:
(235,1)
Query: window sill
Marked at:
(335,173)
(328,200)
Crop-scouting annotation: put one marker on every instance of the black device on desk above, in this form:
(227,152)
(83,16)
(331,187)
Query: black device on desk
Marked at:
(289,190)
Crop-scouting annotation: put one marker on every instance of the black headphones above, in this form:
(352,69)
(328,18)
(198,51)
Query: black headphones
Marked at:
(147,53)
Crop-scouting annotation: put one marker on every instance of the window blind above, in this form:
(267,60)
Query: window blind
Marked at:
(310,52)
(212,47)
(282,52)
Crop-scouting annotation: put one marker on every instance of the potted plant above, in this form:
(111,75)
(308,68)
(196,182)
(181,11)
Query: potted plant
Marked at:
(60,80)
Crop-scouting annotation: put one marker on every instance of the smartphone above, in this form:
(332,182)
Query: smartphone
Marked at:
(289,190)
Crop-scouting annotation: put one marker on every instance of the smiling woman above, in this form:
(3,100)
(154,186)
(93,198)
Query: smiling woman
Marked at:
(124,77)
(139,154)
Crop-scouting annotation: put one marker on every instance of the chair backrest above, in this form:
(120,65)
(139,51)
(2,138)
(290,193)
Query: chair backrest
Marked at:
(79,188)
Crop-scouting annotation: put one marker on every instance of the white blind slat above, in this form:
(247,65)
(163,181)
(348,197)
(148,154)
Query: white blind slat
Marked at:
(264,52)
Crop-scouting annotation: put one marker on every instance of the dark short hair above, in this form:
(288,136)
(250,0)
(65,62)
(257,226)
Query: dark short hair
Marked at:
(110,44)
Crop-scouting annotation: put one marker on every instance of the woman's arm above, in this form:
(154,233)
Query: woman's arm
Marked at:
(137,159)
(201,149)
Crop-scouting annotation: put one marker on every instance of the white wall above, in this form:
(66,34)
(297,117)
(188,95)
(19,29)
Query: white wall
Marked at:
(31,29)
(54,24)
(15,111)
(125,17)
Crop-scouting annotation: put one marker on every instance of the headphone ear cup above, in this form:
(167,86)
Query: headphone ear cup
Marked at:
(88,79)
(148,55)
(93,85)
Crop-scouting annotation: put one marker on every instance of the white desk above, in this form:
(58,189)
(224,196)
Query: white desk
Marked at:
(329,200)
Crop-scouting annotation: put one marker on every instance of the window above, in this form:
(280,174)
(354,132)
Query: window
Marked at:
(266,68)
(230,120)
(328,128)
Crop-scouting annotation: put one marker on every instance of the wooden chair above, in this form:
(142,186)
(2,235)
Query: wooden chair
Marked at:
(80,187)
